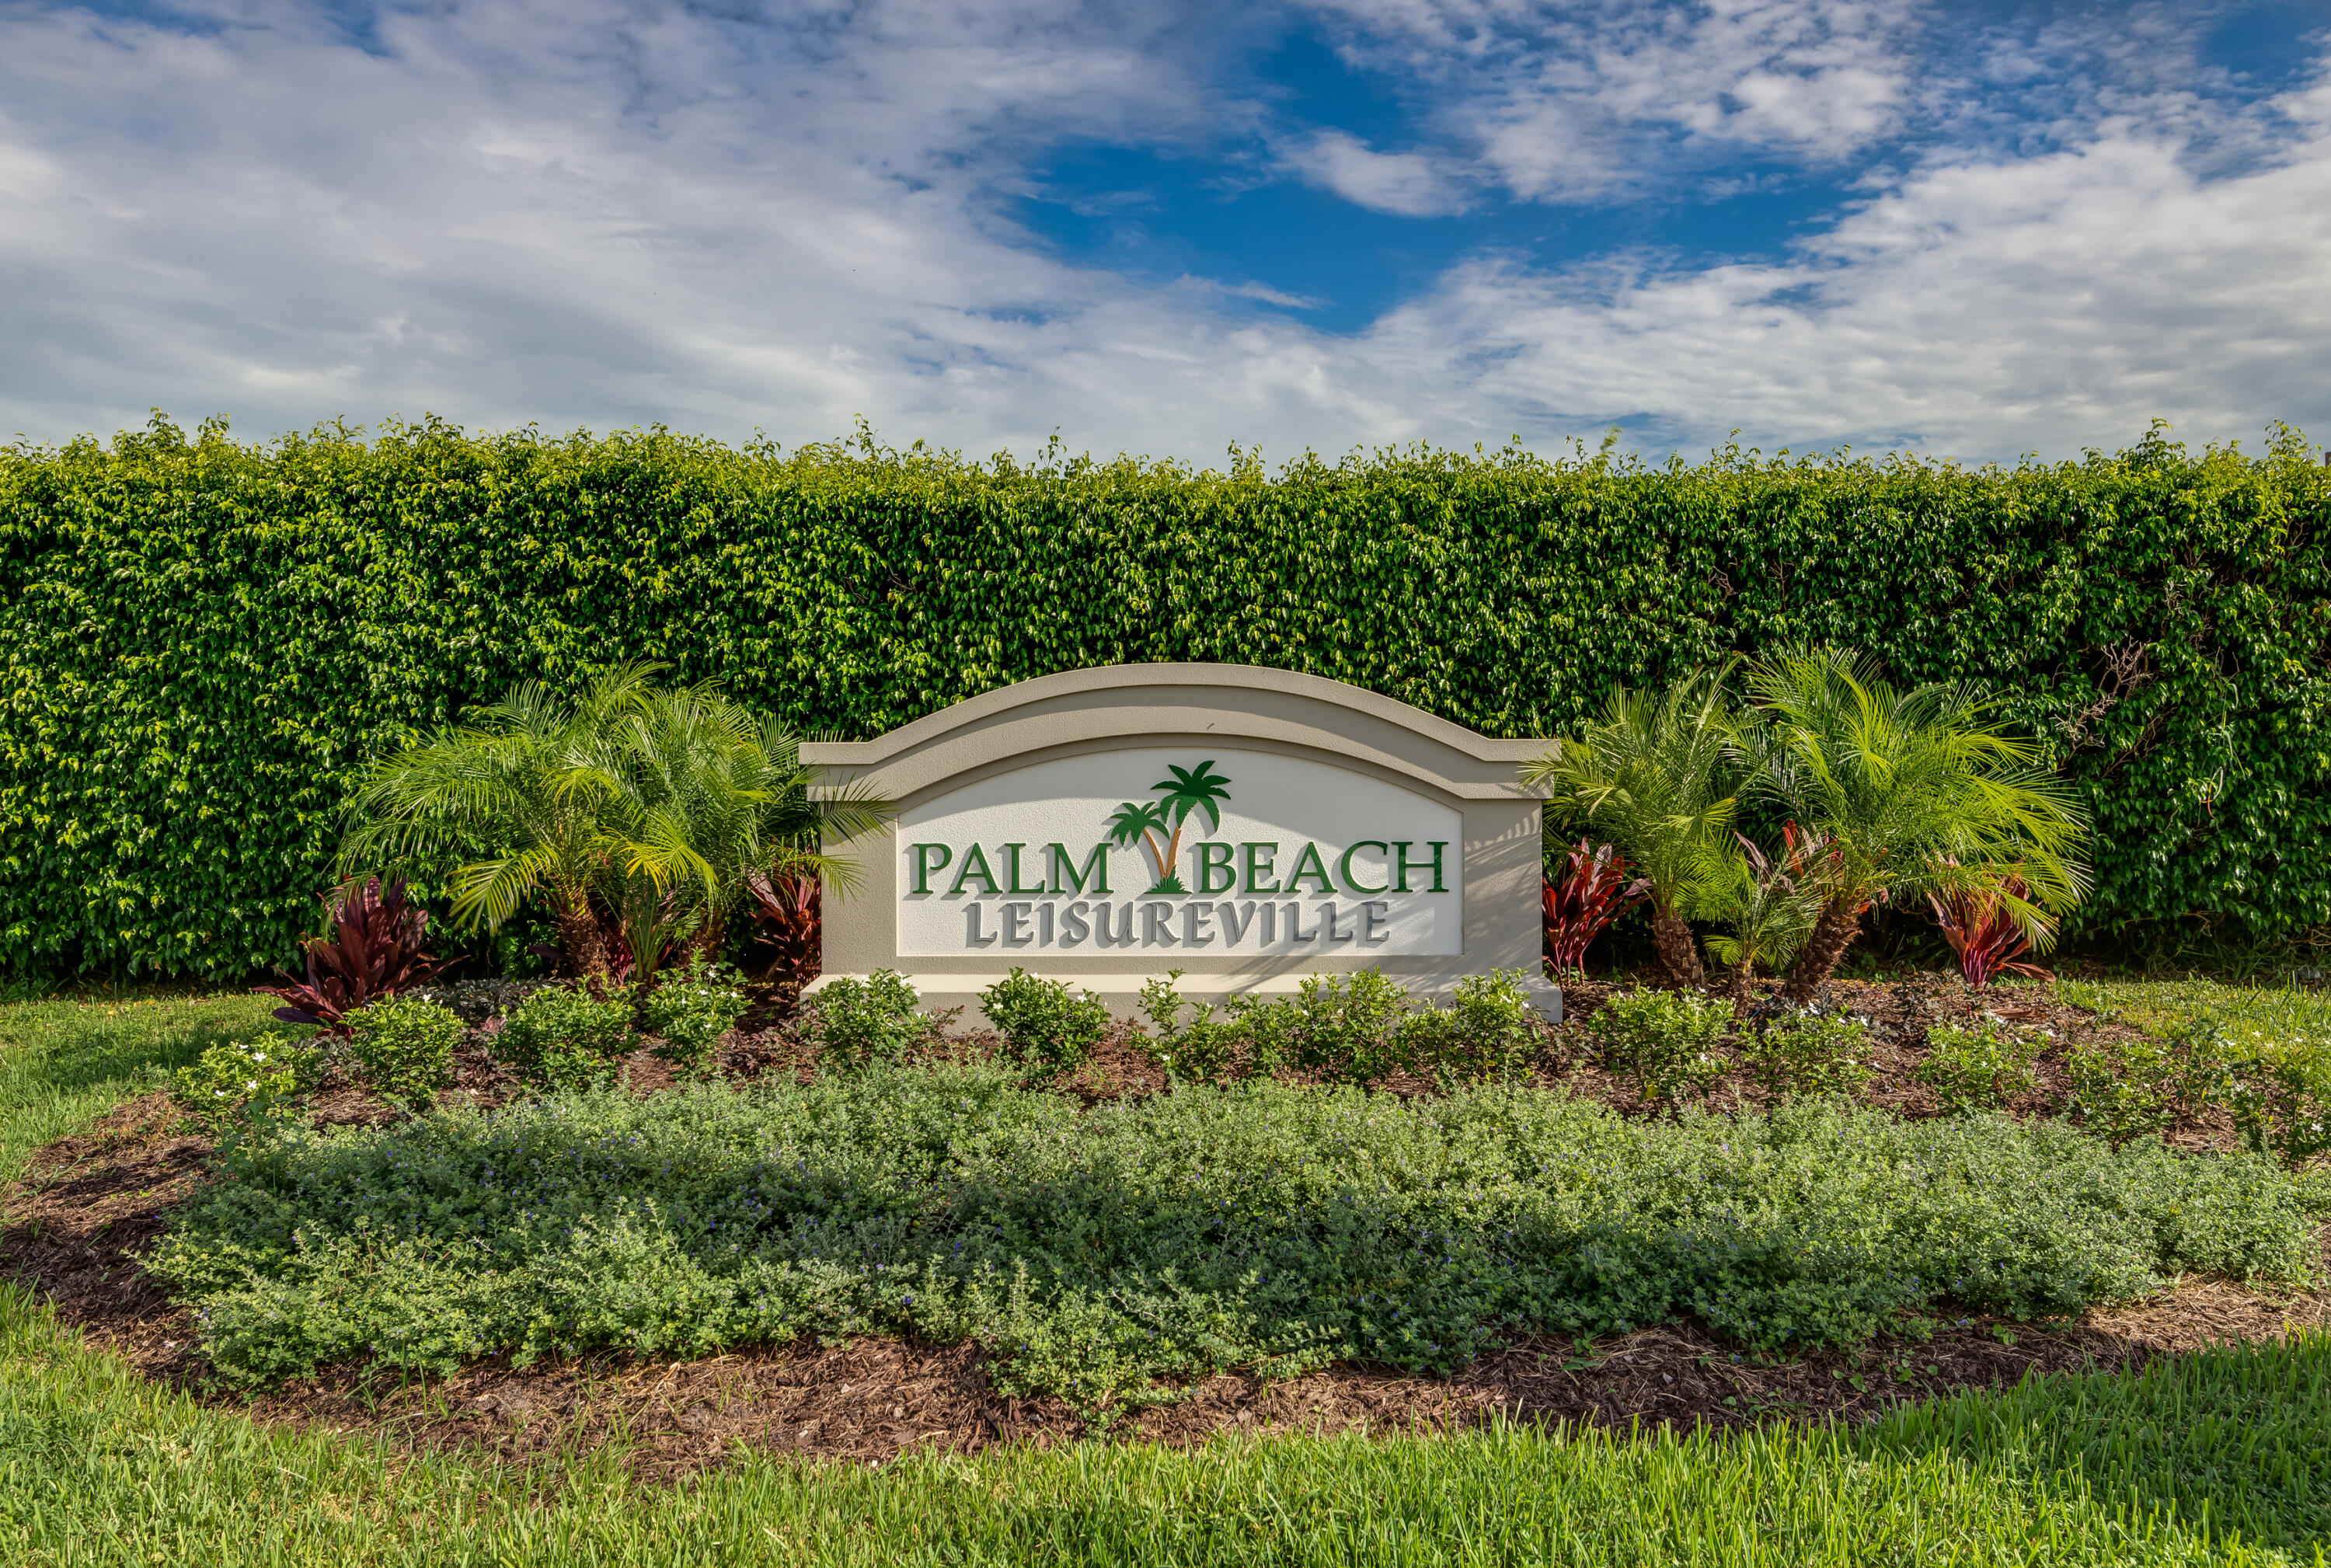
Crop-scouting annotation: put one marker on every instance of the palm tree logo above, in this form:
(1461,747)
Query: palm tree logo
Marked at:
(1189,790)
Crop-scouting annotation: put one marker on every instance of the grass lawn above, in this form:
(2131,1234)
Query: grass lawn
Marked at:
(63,1063)
(2280,1010)
(2213,1458)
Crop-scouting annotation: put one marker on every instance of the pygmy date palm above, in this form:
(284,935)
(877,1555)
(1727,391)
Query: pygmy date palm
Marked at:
(1913,792)
(522,790)
(704,797)
(654,807)
(1766,907)
(1654,775)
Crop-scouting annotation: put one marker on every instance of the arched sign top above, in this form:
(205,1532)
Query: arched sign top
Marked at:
(1093,709)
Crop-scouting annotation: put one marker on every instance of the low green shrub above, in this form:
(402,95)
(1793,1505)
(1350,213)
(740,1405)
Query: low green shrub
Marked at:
(692,1005)
(1046,1028)
(2288,1112)
(855,1023)
(1343,1027)
(1976,1069)
(1097,1252)
(1489,1032)
(2276,1083)
(566,1037)
(243,1077)
(2262,1052)
(405,1048)
(1670,1042)
(2122,1087)
(1809,1053)
(1203,1047)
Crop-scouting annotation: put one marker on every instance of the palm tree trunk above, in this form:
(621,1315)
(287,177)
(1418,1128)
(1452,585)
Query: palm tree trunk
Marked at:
(1678,954)
(1833,933)
(579,934)
(705,941)
(1742,997)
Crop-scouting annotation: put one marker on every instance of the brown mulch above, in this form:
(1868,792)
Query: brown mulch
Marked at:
(1899,1011)
(876,1400)
(93,1202)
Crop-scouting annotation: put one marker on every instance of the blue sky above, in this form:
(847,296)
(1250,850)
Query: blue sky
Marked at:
(1973,230)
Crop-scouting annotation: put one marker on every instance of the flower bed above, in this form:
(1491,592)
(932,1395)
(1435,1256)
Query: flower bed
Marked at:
(1098,1251)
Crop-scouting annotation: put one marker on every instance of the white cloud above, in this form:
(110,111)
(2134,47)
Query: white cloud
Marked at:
(510,212)
(605,212)
(1408,183)
(1983,309)
(1571,102)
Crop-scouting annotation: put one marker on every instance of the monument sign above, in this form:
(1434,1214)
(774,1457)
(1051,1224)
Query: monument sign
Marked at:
(1246,826)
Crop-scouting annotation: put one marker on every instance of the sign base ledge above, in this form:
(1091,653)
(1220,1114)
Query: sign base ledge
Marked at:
(1122,992)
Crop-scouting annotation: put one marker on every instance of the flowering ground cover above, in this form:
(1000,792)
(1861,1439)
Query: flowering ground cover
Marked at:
(1107,1253)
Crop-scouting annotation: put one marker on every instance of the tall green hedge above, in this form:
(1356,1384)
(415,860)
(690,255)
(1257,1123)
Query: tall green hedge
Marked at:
(204,640)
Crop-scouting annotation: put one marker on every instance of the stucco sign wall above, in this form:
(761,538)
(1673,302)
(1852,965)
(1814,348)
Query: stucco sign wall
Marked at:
(1248,826)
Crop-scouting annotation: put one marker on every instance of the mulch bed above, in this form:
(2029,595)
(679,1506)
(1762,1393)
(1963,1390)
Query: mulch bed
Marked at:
(1900,1012)
(93,1202)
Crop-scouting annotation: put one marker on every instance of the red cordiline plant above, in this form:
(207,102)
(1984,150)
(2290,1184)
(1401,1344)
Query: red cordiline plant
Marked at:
(1579,907)
(373,951)
(1982,926)
(788,926)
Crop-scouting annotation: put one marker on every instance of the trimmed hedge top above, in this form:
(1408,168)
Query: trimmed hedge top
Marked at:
(205,640)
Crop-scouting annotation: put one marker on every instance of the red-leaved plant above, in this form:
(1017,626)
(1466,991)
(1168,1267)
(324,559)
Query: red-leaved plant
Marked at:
(1985,934)
(1593,893)
(372,951)
(788,927)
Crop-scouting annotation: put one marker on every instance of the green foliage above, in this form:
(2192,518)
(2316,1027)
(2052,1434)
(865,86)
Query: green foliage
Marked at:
(1976,1070)
(1046,1028)
(1343,1027)
(2263,1051)
(856,1023)
(1912,788)
(2119,1089)
(210,642)
(1656,774)
(1349,1029)
(1809,1052)
(1765,908)
(692,1006)
(1668,1041)
(1202,1048)
(2117,1467)
(566,1036)
(2124,1088)
(243,1078)
(664,806)
(2211,1458)
(2283,1097)
(405,1048)
(1489,1032)
(2159,1005)
(1172,1236)
(2235,1433)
